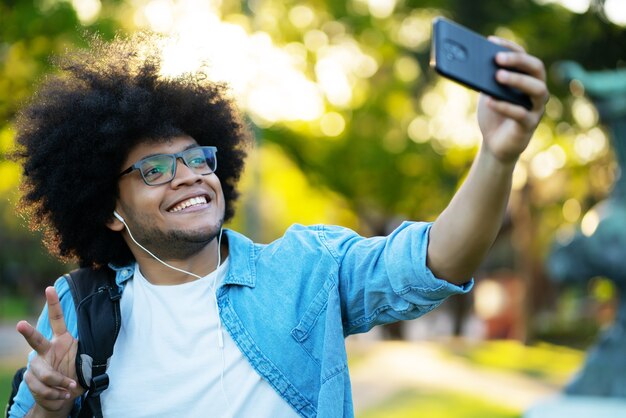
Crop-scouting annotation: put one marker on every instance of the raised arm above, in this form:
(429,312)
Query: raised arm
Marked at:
(51,377)
(463,233)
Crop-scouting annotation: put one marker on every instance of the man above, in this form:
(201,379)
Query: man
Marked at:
(120,170)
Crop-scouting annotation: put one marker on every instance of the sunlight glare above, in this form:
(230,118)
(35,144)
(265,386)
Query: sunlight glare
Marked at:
(297,53)
(590,146)
(338,69)
(332,124)
(418,130)
(459,104)
(366,66)
(267,81)
(301,16)
(590,223)
(490,298)
(160,15)
(615,11)
(381,9)
(406,69)
(177,59)
(315,39)
(333,81)
(430,102)
(575,6)
(414,31)
(584,113)
(87,11)
(545,163)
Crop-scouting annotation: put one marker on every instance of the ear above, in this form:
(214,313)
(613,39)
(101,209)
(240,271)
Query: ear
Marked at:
(115,223)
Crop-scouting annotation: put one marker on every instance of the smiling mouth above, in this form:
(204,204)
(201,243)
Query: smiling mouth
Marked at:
(194,201)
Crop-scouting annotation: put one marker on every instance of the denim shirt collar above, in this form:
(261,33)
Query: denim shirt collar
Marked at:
(242,271)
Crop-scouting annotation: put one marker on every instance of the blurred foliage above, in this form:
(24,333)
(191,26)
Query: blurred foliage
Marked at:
(394,139)
(580,314)
(14,308)
(388,171)
(30,32)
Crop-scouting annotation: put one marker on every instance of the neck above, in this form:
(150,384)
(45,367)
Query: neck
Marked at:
(186,270)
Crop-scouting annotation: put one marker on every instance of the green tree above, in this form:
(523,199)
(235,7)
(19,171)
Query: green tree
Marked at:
(399,155)
(30,32)
(394,139)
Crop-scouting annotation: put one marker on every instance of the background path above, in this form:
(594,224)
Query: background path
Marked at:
(389,367)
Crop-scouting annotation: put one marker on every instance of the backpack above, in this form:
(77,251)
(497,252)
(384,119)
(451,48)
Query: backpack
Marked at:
(97,301)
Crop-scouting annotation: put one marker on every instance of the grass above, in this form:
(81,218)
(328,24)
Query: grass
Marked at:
(437,404)
(550,363)
(6,377)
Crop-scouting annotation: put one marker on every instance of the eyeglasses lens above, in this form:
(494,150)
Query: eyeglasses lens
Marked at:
(201,160)
(159,169)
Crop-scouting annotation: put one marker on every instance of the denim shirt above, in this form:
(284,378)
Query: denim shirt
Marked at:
(288,305)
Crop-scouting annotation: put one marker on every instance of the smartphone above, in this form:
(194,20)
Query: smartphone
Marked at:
(468,58)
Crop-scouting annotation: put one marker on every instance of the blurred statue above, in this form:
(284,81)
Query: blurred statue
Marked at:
(604,252)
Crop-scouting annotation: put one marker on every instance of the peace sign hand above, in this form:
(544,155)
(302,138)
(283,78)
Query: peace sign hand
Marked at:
(51,377)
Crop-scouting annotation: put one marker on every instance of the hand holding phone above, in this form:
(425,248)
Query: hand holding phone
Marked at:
(468,58)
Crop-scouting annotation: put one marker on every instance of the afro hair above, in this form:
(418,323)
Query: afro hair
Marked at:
(78,129)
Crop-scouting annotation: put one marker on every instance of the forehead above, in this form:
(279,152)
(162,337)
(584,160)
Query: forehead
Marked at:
(159,146)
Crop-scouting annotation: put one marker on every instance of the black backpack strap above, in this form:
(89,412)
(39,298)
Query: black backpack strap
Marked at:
(97,300)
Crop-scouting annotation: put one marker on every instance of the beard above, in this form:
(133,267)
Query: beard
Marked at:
(171,245)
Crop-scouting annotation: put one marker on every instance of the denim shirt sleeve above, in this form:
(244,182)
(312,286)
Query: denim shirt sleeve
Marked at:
(24,400)
(386,279)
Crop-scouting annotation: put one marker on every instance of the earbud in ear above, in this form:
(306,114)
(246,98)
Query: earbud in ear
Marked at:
(118,216)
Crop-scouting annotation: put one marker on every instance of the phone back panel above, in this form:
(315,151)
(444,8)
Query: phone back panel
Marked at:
(469,58)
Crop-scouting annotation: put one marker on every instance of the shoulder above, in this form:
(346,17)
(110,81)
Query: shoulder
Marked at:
(318,234)
(63,288)
(67,306)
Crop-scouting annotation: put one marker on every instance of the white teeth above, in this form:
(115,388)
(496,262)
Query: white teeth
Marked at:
(189,202)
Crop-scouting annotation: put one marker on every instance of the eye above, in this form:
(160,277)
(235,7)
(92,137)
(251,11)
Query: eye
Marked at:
(198,162)
(154,171)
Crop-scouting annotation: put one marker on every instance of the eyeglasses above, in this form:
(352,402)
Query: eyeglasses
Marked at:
(161,168)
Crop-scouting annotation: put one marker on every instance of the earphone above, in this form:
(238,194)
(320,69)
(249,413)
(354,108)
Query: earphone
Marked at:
(220,335)
(119,217)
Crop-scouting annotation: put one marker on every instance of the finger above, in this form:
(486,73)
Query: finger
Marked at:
(55,313)
(34,338)
(522,62)
(509,110)
(42,370)
(533,87)
(41,390)
(506,43)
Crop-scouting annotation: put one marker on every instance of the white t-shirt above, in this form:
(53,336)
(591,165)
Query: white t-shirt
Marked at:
(167,361)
